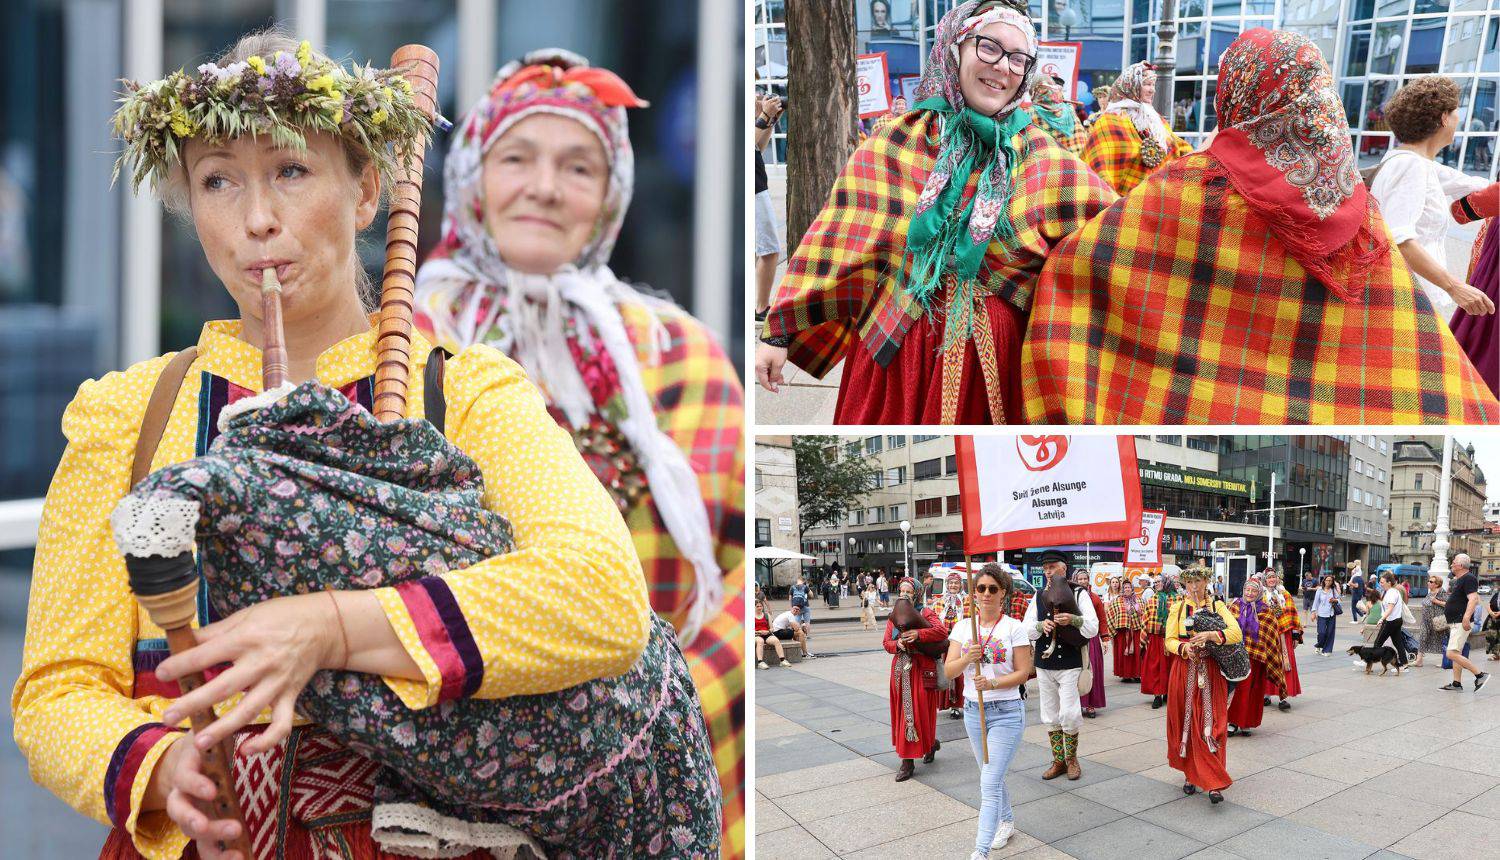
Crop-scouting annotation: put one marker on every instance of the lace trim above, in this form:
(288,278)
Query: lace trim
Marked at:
(155,524)
(250,404)
(413,830)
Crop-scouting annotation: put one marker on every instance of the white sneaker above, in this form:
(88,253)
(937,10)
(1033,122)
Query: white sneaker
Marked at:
(762,665)
(978,856)
(786,664)
(1002,835)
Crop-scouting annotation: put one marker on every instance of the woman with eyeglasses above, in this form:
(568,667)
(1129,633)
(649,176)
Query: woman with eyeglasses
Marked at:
(1001,651)
(1129,139)
(917,275)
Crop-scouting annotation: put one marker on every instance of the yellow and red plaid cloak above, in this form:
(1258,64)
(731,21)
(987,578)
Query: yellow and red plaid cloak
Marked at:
(1113,151)
(1269,649)
(840,287)
(1177,306)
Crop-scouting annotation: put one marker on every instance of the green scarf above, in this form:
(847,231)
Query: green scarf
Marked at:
(1060,119)
(938,240)
(1163,605)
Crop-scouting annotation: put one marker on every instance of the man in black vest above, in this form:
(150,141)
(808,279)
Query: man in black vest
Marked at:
(1060,621)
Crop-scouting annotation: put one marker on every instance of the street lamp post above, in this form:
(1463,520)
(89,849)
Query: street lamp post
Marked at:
(1301,556)
(905,546)
(1440,539)
(1166,58)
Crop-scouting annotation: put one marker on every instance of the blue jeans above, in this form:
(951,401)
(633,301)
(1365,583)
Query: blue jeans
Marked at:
(1327,625)
(1004,722)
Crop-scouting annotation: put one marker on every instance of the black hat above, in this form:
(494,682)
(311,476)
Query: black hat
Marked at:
(1056,555)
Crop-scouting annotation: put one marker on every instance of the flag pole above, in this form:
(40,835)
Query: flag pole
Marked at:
(984,743)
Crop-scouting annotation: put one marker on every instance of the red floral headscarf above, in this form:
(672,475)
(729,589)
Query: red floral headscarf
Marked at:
(1284,142)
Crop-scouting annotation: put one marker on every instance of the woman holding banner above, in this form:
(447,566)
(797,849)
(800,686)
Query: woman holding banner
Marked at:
(1001,651)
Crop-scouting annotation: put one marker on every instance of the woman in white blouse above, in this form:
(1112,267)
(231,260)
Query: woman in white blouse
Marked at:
(1414,191)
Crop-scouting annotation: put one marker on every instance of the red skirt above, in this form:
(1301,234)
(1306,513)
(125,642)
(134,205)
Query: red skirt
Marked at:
(1201,765)
(1293,683)
(909,390)
(924,712)
(1248,704)
(1154,667)
(953,698)
(1128,665)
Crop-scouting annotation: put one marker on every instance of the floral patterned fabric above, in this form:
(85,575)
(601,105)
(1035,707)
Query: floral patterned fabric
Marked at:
(1284,142)
(314,493)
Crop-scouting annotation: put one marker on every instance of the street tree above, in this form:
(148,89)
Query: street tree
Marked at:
(829,482)
(821,107)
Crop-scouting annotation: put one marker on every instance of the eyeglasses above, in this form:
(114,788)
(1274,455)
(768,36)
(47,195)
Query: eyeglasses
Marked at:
(990,51)
(987,589)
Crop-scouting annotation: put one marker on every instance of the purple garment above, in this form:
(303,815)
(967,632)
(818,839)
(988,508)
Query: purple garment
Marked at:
(1095,697)
(1480,336)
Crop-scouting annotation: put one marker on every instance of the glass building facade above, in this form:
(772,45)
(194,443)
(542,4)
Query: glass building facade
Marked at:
(1312,483)
(92,279)
(1373,47)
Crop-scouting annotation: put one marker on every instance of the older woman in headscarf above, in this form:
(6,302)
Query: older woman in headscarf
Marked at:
(1252,283)
(1260,623)
(1154,666)
(918,272)
(1129,139)
(1092,700)
(537,181)
(916,638)
(1290,625)
(1127,619)
(953,606)
(1054,114)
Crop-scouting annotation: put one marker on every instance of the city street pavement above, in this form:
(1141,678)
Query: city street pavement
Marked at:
(1360,767)
(33,822)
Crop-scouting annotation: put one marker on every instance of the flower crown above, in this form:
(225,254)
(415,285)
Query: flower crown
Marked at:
(284,96)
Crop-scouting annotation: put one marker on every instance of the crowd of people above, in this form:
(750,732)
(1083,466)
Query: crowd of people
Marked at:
(988,257)
(1215,662)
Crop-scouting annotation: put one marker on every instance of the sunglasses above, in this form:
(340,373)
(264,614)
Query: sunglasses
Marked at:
(987,589)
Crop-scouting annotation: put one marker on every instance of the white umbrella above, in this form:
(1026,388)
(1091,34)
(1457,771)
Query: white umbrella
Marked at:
(774,553)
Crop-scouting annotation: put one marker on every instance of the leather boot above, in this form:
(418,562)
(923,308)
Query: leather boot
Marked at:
(907,767)
(932,752)
(1070,756)
(1059,759)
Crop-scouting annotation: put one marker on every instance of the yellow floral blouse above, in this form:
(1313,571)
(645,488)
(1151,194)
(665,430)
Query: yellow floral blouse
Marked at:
(88,707)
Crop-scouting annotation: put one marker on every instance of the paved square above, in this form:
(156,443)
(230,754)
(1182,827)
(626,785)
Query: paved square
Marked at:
(1361,767)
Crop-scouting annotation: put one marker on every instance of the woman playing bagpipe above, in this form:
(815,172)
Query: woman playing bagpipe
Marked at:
(918,272)
(1198,694)
(413,708)
(1128,140)
(538,179)
(915,638)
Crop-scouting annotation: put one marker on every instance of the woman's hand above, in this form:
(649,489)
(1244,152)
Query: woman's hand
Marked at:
(179,786)
(769,361)
(1471,299)
(275,647)
(1204,637)
(973,652)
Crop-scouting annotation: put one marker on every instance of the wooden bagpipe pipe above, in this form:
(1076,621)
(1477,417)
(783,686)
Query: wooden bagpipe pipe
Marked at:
(167,584)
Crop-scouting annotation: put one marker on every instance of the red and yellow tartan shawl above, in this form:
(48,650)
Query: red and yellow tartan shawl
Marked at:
(1121,618)
(1178,306)
(1149,623)
(1113,151)
(1269,648)
(1073,143)
(842,281)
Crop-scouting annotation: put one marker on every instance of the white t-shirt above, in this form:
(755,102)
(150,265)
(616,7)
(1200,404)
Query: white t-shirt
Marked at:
(1000,644)
(784,621)
(1395,607)
(1414,194)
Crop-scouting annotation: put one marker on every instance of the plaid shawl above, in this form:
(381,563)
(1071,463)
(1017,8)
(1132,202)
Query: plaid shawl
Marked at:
(840,286)
(1121,618)
(1267,648)
(1154,615)
(1113,151)
(1073,141)
(1178,306)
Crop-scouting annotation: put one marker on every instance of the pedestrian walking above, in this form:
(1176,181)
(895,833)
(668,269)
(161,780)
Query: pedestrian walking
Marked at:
(1059,622)
(1198,704)
(1291,636)
(1355,588)
(1432,626)
(1155,668)
(867,600)
(953,607)
(1327,606)
(916,639)
(1393,614)
(1126,620)
(1463,597)
(1002,651)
